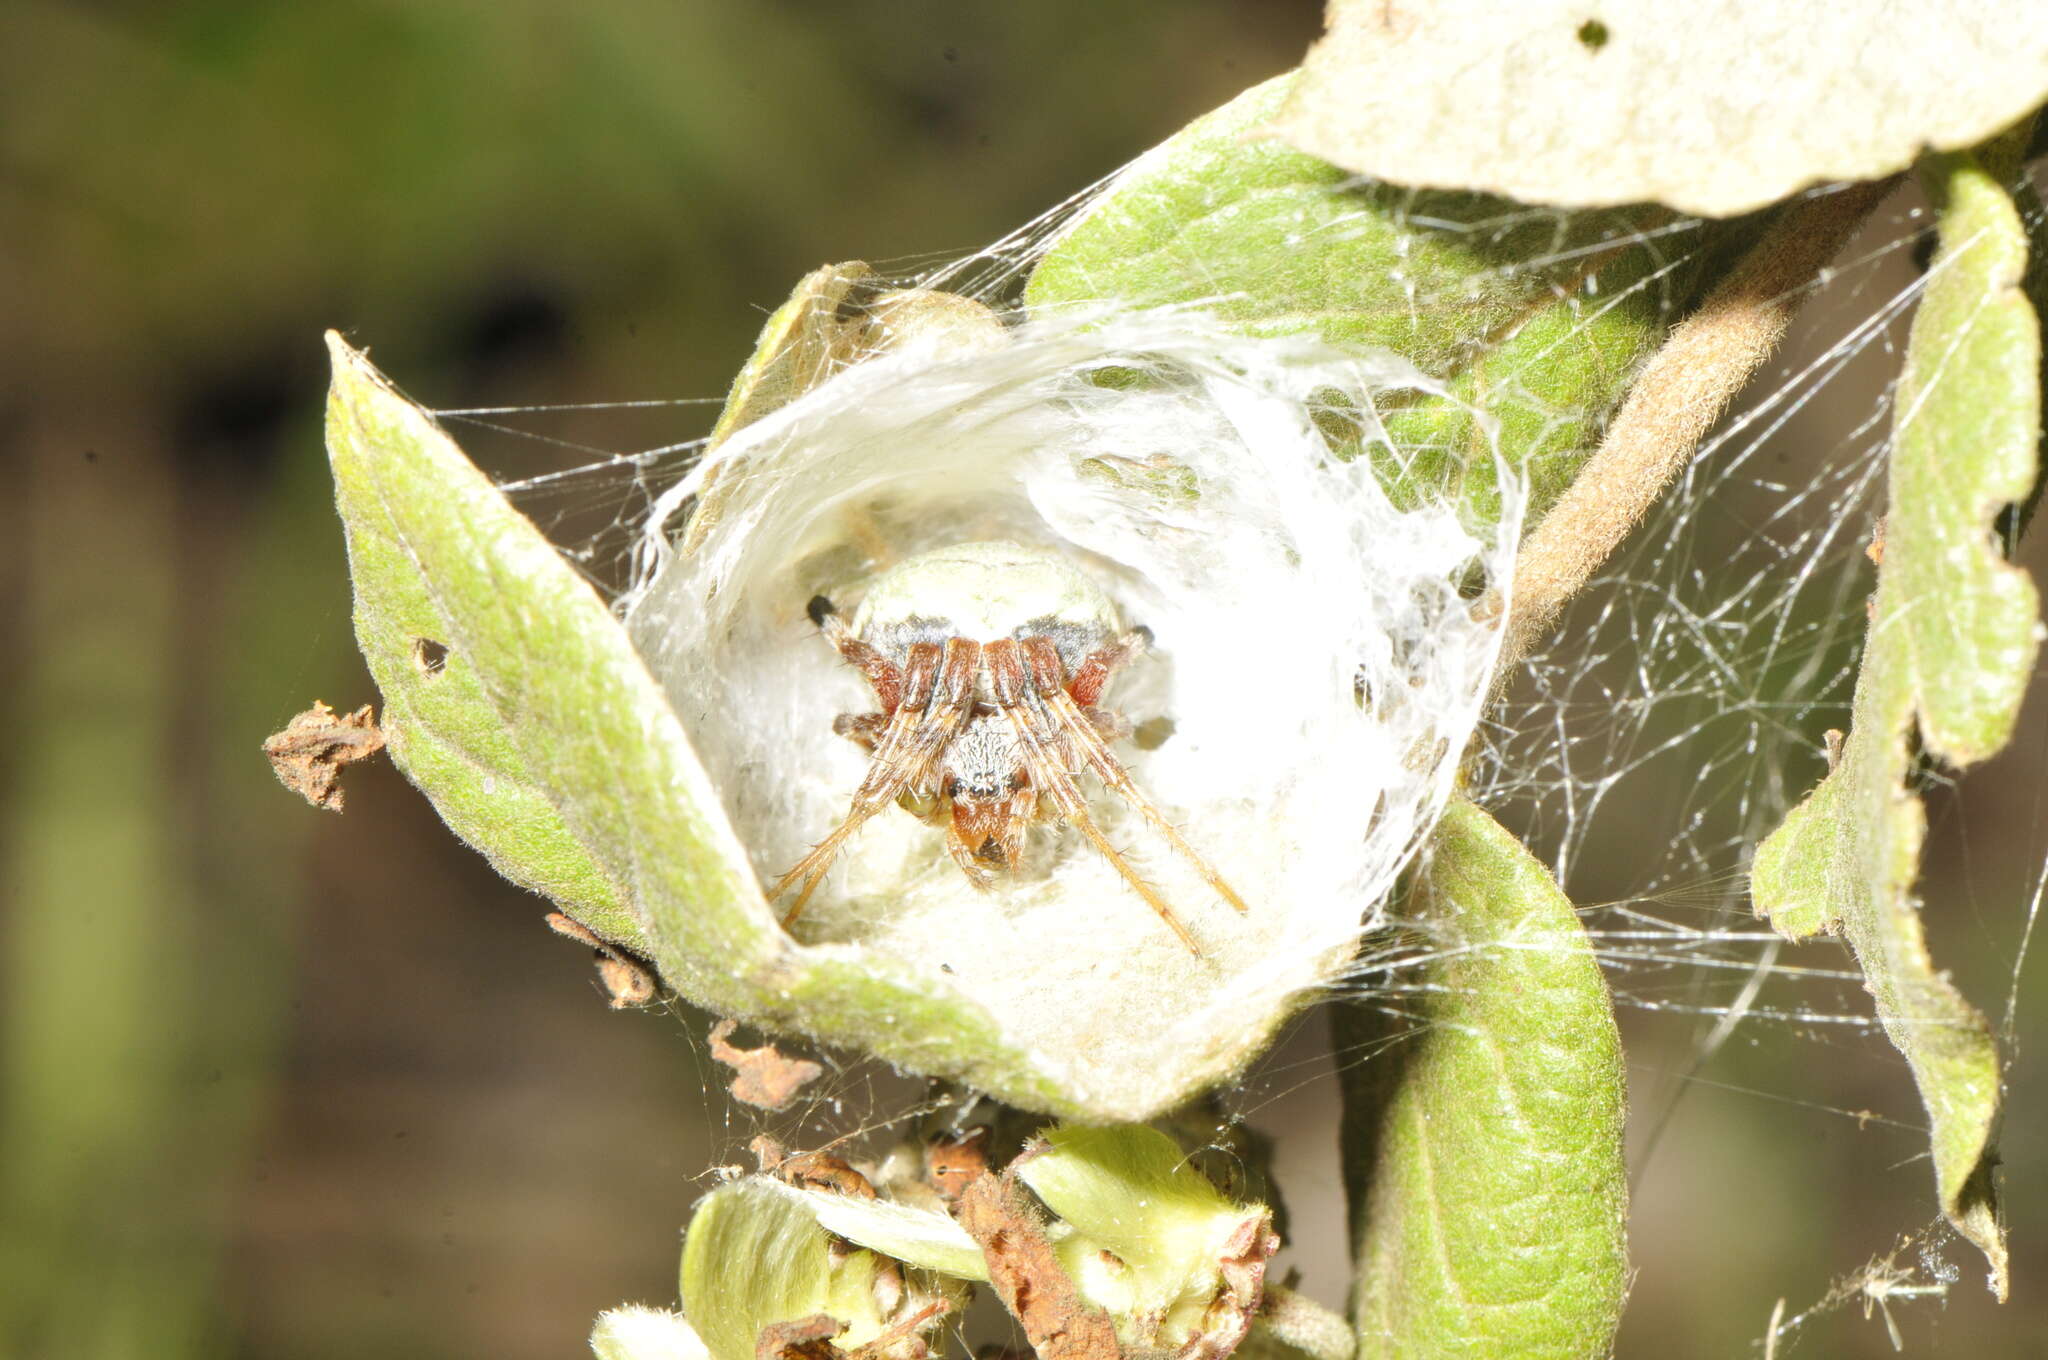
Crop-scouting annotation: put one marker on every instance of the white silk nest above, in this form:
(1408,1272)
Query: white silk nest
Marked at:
(1320,659)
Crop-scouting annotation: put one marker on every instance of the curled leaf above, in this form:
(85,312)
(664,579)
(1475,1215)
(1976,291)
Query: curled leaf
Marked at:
(1484,1123)
(757,1258)
(1954,632)
(313,749)
(1030,1277)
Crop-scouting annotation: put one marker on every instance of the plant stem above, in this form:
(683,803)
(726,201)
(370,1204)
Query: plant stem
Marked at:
(1675,401)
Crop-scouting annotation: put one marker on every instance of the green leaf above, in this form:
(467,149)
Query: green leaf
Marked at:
(1789,877)
(1953,635)
(635,1333)
(1483,1125)
(1130,1190)
(930,1238)
(1534,318)
(392,466)
(754,1257)
(544,742)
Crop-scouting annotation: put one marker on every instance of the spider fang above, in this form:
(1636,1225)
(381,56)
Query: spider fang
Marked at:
(988,661)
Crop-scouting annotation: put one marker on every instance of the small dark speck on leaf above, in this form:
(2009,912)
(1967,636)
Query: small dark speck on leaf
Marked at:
(1593,35)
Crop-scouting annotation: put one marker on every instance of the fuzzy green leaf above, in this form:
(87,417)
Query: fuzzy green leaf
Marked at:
(928,1238)
(570,771)
(1129,1190)
(1535,318)
(634,1333)
(1789,878)
(1953,635)
(445,730)
(754,1256)
(1483,1127)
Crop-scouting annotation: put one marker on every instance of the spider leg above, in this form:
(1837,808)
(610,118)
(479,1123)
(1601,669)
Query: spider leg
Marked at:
(864,729)
(1113,725)
(1094,751)
(1095,669)
(882,674)
(1039,737)
(938,694)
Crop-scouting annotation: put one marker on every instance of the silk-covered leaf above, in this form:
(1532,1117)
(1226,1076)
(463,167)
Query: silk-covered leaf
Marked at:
(1532,320)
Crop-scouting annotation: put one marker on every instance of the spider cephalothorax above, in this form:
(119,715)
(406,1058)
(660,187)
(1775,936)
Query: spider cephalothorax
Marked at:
(989,661)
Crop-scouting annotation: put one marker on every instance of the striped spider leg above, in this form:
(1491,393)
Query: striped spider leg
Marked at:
(991,737)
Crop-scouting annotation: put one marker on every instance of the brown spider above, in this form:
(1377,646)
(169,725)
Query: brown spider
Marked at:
(989,661)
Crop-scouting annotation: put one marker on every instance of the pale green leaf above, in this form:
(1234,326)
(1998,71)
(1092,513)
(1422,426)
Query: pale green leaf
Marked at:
(634,1333)
(1483,1124)
(1715,107)
(1535,319)
(443,727)
(754,1256)
(1953,635)
(929,1238)
(804,341)
(544,742)
(1789,878)
(1130,1189)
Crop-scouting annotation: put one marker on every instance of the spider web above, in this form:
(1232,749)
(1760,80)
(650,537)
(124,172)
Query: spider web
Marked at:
(1679,713)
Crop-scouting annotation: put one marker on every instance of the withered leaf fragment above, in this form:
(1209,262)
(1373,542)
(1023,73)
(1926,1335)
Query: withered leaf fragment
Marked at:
(952,1162)
(763,1077)
(627,980)
(810,1170)
(1242,1267)
(311,751)
(806,1338)
(1029,1278)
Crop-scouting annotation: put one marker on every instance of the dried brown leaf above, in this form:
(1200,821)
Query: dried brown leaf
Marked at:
(954,1162)
(1028,1276)
(804,1338)
(314,747)
(629,981)
(810,1170)
(763,1077)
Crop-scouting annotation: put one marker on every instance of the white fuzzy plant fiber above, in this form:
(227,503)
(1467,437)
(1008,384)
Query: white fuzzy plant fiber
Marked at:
(1280,591)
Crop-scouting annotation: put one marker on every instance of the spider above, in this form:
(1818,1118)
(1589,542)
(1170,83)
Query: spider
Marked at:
(989,661)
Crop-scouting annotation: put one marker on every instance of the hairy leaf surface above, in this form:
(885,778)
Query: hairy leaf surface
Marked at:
(1483,1127)
(1531,318)
(1953,635)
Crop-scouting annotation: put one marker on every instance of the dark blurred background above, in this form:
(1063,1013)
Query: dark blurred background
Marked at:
(282,1084)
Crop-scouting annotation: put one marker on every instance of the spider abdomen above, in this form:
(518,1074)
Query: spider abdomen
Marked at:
(984,592)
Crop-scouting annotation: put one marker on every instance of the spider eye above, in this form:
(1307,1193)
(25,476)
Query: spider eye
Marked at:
(953,787)
(1018,779)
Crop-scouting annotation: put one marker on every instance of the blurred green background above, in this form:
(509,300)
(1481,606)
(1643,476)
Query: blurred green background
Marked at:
(280,1084)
